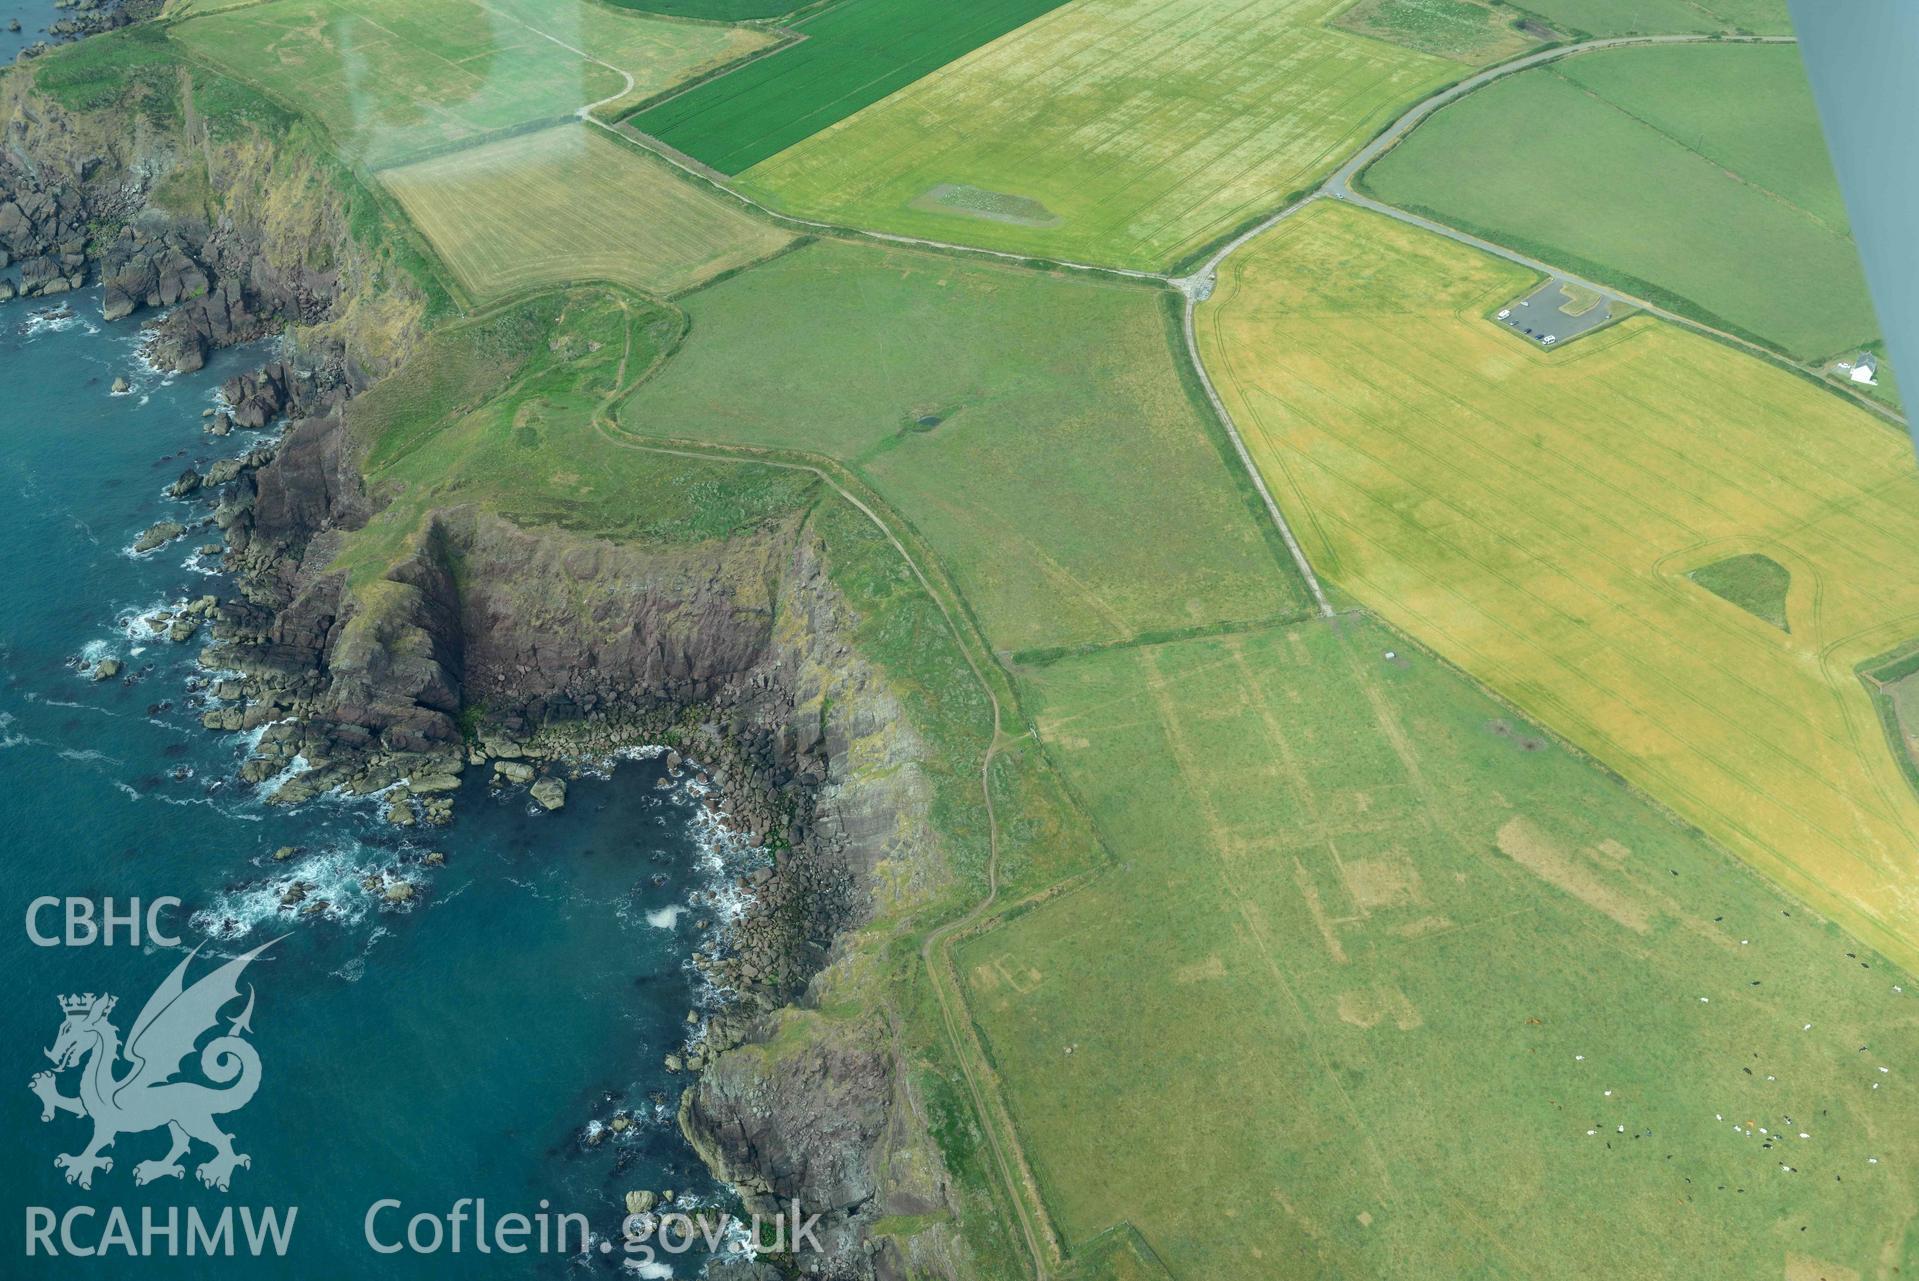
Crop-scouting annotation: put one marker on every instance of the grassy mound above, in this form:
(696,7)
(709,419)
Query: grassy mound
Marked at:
(1757,584)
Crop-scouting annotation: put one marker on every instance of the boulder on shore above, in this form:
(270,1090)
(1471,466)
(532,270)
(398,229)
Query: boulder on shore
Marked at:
(514,771)
(550,792)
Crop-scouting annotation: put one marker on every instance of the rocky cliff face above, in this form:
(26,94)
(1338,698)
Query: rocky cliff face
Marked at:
(733,652)
(490,646)
(225,241)
(815,1113)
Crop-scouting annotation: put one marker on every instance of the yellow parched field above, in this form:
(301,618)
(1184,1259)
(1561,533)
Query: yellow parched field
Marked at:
(566,205)
(1534,515)
(1125,132)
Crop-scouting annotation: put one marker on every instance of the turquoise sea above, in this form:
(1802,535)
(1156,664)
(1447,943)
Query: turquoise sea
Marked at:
(34,17)
(457,1046)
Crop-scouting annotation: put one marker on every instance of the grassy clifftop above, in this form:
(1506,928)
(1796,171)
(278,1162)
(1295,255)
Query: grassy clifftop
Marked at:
(131,112)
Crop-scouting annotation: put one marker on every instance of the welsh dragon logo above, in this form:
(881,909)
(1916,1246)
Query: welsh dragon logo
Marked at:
(145,1096)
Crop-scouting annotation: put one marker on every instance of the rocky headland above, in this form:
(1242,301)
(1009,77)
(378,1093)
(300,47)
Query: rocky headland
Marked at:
(526,653)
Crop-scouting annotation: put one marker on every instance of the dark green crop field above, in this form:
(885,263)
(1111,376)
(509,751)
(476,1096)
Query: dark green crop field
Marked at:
(852,55)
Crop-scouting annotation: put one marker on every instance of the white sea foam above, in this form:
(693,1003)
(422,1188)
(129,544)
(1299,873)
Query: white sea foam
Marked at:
(227,811)
(133,623)
(85,755)
(334,875)
(54,320)
(666,918)
(294,768)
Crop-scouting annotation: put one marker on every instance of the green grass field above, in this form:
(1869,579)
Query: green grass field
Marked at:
(1661,17)
(1145,128)
(713,10)
(499,411)
(567,205)
(1535,515)
(1386,984)
(393,79)
(1697,175)
(854,53)
(1068,480)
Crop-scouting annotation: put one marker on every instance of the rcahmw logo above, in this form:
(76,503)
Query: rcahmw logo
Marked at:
(130,1088)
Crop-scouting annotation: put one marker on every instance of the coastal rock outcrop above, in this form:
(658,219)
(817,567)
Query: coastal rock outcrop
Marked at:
(736,653)
(552,646)
(815,1119)
(85,193)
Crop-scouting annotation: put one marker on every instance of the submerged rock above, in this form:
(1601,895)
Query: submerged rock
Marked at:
(158,535)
